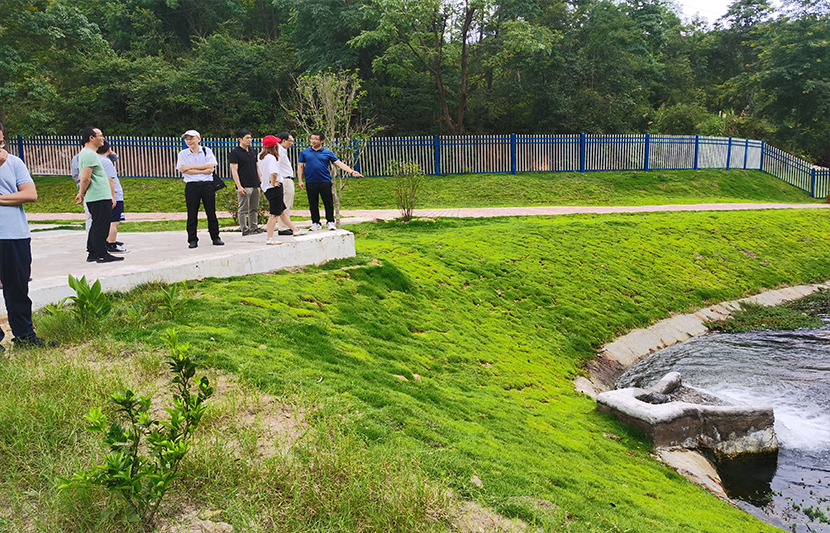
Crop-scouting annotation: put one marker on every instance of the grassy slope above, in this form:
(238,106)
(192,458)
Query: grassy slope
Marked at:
(481,190)
(495,316)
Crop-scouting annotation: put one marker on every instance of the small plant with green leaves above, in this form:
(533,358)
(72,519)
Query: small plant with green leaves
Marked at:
(409,177)
(173,302)
(90,303)
(145,452)
(136,315)
(55,309)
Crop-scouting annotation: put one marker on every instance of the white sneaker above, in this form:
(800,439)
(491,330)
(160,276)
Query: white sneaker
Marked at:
(272,240)
(300,232)
(314,227)
(332,226)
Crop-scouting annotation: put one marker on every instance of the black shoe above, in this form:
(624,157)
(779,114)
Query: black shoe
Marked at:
(91,258)
(33,341)
(119,243)
(257,231)
(193,244)
(218,242)
(109,259)
(114,248)
(285,232)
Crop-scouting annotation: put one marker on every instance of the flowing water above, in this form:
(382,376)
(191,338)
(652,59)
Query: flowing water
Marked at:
(789,370)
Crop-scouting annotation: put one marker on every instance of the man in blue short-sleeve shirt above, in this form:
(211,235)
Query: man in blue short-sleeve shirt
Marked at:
(16,188)
(314,165)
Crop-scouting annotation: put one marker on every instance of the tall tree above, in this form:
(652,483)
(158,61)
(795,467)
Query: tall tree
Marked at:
(446,39)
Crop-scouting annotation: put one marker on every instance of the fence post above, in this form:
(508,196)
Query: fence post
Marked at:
(746,152)
(697,149)
(437,157)
(813,184)
(582,153)
(761,164)
(513,153)
(729,153)
(645,163)
(20,147)
(356,162)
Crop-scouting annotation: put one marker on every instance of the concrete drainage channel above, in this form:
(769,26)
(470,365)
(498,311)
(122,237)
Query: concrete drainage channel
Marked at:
(701,438)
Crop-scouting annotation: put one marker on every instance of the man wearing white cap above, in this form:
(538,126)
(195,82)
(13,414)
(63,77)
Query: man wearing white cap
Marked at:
(196,164)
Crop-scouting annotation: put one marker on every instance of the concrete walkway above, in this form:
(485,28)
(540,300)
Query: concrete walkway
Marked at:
(353,216)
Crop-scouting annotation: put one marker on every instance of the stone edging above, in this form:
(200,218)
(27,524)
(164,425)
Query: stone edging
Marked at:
(624,352)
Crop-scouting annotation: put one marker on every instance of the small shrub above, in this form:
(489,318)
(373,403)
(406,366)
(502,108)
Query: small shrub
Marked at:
(173,302)
(145,452)
(409,177)
(90,304)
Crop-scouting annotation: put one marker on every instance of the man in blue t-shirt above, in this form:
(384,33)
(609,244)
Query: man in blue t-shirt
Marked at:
(314,164)
(16,188)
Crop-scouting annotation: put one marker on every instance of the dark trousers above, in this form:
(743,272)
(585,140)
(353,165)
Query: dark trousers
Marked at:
(322,190)
(96,240)
(15,269)
(203,192)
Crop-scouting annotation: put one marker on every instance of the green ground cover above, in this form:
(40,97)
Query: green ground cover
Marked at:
(145,195)
(444,351)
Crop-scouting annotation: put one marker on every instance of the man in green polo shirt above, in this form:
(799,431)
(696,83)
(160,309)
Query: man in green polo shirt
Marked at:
(97,191)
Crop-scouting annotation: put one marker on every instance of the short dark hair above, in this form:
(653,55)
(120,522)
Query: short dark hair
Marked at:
(319,134)
(87,134)
(243,132)
(104,148)
(284,135)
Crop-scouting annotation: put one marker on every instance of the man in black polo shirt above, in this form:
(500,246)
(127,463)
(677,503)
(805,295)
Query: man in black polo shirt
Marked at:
(246,175)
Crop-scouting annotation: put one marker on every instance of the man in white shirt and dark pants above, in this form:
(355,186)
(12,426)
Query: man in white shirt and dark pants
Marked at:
(196,164)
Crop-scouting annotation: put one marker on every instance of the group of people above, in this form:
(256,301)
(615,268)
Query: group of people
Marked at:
(268,172)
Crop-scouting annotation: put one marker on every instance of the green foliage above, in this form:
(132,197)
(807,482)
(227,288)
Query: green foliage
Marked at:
(143,480)
(173,302)
(815,304)
(755,317)
(90,305)
(409,178)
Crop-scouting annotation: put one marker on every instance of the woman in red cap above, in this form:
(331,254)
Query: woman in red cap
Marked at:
(272,187)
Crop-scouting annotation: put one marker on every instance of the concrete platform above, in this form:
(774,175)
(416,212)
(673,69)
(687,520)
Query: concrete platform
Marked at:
(164,256)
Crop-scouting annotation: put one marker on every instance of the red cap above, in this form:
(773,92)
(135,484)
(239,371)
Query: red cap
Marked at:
(269,141)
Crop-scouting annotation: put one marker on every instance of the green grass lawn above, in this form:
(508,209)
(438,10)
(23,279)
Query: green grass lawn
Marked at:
(146,195)
(444,351)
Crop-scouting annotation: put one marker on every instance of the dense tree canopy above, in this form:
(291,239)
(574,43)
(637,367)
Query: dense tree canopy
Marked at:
(154,67)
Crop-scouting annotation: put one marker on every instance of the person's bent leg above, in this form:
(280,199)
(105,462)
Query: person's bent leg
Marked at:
(15,270)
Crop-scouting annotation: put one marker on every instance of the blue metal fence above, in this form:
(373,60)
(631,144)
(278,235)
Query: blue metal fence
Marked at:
(155,157)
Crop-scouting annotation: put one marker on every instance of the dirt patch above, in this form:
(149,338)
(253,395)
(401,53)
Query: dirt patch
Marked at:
(470,517)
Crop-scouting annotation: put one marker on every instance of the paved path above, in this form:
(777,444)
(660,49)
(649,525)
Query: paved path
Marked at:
(351,216)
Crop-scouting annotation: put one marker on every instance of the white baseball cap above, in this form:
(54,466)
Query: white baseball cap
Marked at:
(192,133)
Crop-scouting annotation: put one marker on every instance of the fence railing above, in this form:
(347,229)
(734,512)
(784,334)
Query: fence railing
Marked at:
(155,157)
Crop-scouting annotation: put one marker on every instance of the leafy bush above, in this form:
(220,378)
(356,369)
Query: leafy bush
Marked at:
(145,452)
(90,303)
(409,177)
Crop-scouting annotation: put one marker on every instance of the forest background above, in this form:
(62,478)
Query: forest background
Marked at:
(159,67)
